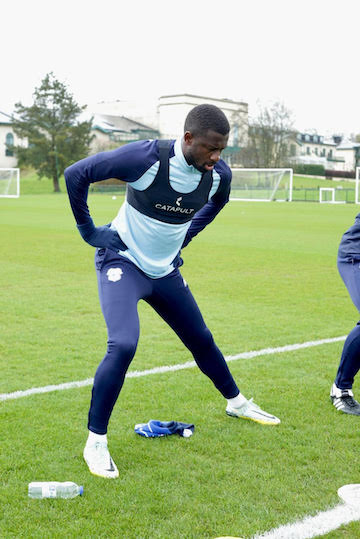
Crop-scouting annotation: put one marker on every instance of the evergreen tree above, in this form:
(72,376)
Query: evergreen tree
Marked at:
(55,137)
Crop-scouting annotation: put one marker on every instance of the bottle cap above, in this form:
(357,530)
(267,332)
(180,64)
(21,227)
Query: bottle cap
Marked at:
(81,490)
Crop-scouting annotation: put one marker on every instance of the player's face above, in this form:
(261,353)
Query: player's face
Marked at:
(203,151)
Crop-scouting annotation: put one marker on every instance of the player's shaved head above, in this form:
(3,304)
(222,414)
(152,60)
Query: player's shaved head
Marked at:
(203,118)
(206,134)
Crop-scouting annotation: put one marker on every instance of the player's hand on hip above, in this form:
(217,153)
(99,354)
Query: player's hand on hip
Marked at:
(101,236)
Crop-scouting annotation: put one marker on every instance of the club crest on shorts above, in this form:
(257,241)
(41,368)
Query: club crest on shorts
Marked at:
(114,274)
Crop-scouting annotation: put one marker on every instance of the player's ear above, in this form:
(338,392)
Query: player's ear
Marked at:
(188,137)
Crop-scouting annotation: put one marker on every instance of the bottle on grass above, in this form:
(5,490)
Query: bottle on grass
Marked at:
(54,489)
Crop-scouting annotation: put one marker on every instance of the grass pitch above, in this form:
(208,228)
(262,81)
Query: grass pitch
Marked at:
(264,275)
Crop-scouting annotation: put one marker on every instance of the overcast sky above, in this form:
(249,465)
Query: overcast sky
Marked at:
(304,53)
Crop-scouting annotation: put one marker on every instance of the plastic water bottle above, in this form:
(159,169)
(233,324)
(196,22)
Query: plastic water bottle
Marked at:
(54,489)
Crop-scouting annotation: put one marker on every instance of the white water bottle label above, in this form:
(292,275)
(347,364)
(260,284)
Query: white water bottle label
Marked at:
(49,491)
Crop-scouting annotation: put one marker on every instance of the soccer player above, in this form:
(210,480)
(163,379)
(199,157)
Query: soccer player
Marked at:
(174,190)
(348,264)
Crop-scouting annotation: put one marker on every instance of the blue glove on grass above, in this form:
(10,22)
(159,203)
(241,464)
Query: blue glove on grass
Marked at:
(154,428)
(101,236)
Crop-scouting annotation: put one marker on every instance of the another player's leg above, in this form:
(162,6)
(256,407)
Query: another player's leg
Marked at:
(341,393)
(176,305)
(121,285)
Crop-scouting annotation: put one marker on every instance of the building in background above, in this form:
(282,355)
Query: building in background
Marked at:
(349,152)
(144,111)
(316,146)
(111,131)
(7,139)
(333,153)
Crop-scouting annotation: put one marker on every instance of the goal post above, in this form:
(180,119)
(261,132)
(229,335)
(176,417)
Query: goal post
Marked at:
(262,184)
(357,180)
(329,194)
(323,192)
(9,182)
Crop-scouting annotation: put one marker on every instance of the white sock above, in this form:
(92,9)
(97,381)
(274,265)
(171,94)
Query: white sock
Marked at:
(237,401)
(336,392)
(93,438)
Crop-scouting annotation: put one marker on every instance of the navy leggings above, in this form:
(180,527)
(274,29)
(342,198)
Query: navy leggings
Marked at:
(350,357)
(121,286)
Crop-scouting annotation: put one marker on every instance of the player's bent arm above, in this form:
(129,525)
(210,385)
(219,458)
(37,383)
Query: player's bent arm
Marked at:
(203,217)
(126,163)
(208,213)
(101,236)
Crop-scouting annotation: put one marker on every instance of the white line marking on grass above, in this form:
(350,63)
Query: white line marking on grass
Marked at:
(170,368)
(324,522)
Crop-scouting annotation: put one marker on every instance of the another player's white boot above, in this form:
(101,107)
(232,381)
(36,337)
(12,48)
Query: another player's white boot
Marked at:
(343,400)
(97,457)
(247,409)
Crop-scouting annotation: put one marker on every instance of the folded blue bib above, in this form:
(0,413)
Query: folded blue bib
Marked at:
(155,428)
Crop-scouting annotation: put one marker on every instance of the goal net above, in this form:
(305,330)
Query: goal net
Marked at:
(9,182)
(331,195)
(357,180)
(262,184)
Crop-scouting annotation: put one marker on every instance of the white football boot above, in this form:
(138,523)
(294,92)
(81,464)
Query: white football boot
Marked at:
(97,457)
(253,412)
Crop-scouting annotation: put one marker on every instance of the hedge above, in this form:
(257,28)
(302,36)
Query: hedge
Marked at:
(313,170)
(340,173)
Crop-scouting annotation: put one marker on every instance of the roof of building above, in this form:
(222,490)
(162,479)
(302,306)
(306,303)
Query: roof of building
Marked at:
(221,99)
(348,145)
(107,123)
(314,138)
(5,118)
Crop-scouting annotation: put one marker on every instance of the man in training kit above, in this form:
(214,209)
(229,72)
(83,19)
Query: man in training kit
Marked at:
(174,190)
(349,268)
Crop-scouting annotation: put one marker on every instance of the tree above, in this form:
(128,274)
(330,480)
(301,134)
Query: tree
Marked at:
(269,136)
(55,136)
